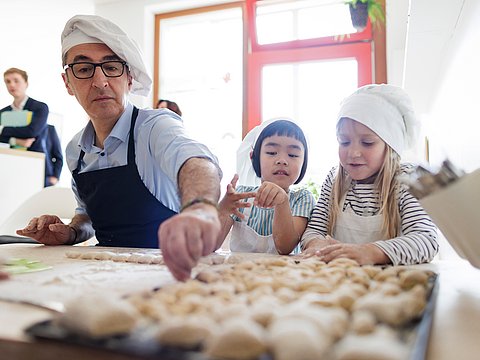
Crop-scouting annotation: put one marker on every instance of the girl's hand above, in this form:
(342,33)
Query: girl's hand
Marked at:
(270,195)
(364,254)
(232,200)
(314,246)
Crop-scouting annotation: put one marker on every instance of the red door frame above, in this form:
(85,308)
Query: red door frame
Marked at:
(357,46)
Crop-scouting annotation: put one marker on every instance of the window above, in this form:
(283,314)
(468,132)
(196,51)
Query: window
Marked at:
(300,66)
(310,93)
(299,20)
(201,69)
(232,66)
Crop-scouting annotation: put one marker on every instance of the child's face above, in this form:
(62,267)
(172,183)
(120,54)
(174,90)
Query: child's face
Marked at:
(281,160)
(361,151)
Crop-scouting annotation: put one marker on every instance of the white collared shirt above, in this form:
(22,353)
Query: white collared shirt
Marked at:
(22,104)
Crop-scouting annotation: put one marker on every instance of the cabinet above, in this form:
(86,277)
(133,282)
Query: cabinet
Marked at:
(22,175)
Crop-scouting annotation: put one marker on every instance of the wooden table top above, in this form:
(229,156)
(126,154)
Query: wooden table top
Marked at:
(455,332)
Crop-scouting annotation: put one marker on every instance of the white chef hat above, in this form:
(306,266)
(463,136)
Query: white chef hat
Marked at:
(385,109)
(85,29)
(246,172)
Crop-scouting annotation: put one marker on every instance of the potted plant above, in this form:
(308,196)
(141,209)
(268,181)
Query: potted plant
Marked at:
(361,10)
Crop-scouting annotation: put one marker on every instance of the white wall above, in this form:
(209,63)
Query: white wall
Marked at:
(30,35)
(454,120)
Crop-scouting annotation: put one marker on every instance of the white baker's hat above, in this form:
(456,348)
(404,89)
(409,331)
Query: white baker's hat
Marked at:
(86,29)
(385,109)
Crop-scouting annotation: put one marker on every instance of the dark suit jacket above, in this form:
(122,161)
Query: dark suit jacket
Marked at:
(36,129)
(54,154)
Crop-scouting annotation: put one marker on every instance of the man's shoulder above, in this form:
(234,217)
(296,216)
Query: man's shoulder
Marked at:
(33,104)
(157,120)
(157,115)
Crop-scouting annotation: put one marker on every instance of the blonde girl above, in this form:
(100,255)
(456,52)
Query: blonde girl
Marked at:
(363,212)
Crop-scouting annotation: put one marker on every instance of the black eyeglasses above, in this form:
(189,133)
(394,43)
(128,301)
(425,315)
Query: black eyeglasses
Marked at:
(86,70)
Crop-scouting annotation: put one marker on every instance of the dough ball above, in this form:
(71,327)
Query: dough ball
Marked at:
(371,270)
(410,278)
(73,254)
(90,255)
(299,338)
(187,332)
(103,255)
(363,322)
(146,259)
(158,260)
(135,257)
(99,316)
(122,257)
(380,345)
(237,339)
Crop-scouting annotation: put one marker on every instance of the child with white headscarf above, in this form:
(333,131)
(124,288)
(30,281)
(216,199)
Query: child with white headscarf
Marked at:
(275,153)
(363,212)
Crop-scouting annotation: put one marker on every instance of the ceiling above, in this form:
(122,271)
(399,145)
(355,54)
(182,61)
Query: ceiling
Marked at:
(431,26)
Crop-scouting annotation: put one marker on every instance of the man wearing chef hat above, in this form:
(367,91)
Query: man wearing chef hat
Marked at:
(133,170)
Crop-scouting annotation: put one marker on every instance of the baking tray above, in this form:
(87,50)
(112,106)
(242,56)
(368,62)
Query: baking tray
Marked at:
(416,335)
(137,344)
(422,327)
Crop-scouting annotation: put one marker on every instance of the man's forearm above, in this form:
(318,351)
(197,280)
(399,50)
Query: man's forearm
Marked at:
(82,228)
(199,178)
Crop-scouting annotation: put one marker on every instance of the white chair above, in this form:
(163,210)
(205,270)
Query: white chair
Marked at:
(51,200)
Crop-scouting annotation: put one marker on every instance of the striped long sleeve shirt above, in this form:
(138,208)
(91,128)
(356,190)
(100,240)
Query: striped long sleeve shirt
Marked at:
(417,242)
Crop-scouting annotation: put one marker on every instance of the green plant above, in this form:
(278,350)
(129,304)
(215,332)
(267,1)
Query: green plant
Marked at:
(314,188)
(375,9)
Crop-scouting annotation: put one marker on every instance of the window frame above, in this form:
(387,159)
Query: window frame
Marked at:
(362,46)
(156,46)
(367,47)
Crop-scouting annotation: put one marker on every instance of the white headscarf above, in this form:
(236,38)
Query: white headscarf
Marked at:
(385,109)
(86,29)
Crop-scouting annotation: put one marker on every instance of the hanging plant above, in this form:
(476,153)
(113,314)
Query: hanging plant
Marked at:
(361,10)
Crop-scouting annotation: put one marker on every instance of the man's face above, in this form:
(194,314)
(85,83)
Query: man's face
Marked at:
(102,97)
(16,85)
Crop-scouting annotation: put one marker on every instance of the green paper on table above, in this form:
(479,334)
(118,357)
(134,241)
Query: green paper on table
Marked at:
(22,266)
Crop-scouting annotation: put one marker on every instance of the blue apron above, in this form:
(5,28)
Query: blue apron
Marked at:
(123,211)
